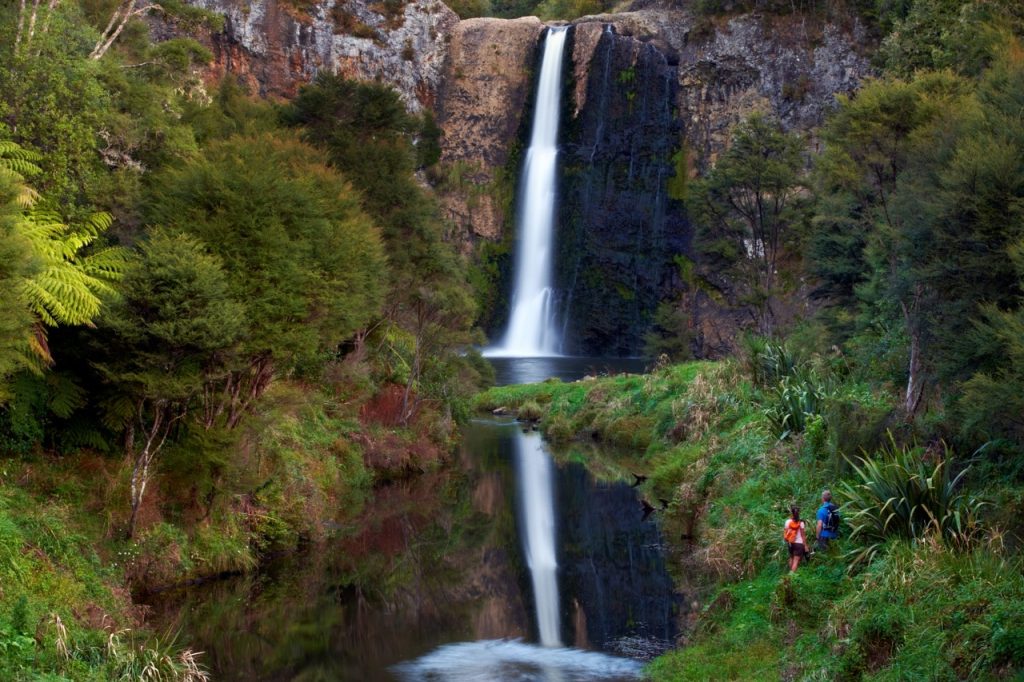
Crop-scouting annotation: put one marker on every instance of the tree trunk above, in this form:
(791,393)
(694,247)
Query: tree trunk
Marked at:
(915,380)
(156,432)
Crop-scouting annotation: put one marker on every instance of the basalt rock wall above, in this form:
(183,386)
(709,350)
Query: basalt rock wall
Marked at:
(274,46)
(618,230)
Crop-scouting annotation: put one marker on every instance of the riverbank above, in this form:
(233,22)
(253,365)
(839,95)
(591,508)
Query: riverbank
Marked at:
(297,473)
(705,438)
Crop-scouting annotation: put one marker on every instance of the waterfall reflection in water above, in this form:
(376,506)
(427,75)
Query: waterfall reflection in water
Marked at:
(513,661)
(536,496)
(436,560)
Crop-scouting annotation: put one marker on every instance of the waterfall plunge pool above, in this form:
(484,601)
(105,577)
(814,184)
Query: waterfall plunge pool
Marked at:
(509,370)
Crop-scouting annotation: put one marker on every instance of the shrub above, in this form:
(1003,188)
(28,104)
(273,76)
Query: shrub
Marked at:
(906,493)
(530,411)
(929,613)
(767,362)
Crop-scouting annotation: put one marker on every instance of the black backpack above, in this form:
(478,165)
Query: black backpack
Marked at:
(831,523)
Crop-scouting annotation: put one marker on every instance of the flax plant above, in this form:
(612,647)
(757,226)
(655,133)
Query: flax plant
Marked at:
(903,493)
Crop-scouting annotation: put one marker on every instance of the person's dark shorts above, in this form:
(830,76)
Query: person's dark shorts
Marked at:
(822,544)
(797,549)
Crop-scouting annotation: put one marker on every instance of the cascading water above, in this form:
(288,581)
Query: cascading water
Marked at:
(532,329)
(536,502)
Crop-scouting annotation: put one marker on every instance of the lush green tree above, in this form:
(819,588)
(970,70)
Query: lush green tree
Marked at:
(168,341)
(296,247)
(749,212)
(52,102)
(369,136)
(992,403)
(866,256)
(977,263)
(962,35)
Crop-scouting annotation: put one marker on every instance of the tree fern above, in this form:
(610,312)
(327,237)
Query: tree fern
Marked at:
(15,158)
(58,280)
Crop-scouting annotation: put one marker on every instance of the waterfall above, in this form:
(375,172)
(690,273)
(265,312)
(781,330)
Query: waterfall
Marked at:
(532,330)
(535,473)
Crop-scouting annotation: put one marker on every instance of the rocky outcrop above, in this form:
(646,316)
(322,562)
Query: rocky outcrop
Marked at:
(275,46)
(791,66)
(482,105)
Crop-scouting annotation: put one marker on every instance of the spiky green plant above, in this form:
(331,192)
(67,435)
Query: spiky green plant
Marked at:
(903,492)
(793,402)
(767,362)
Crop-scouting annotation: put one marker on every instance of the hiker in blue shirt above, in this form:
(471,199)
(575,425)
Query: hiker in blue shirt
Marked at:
(828,521)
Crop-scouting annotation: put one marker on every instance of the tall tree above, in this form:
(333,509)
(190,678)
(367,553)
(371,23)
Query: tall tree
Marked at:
(864,251)
(167,339)
(296,247)
(369,136)
(749,209)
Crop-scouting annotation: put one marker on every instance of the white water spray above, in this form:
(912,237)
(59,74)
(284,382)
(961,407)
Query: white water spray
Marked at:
(535,471)
(532,330)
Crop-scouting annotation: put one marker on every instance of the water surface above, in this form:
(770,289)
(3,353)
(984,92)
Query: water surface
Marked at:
(534,370)
(431,582)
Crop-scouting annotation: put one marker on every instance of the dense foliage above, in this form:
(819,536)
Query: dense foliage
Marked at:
(221,320)
(211,307)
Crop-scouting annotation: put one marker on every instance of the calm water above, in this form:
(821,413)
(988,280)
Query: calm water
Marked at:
(533,370)
(431,584)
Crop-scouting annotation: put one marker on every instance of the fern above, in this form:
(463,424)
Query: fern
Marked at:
(65,396)
(65,283)
(68,287)
(17,159)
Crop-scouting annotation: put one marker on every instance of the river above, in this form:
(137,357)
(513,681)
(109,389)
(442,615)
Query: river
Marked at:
(431,581)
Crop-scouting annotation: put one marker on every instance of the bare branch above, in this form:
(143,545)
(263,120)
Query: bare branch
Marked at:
(32,24)
(49,14)
(118,21)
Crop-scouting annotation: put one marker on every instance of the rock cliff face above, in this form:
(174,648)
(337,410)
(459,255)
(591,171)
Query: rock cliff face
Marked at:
(276,46)
(617,233)
(652,97)
(481,109)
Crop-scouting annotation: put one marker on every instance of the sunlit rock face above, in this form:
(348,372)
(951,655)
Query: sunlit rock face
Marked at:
(275,46)
(481,108)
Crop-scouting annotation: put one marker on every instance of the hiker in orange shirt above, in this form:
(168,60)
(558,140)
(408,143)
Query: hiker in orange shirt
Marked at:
(795,534)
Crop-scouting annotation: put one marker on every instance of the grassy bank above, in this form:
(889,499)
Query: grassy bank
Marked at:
(727,447)
(297,472)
